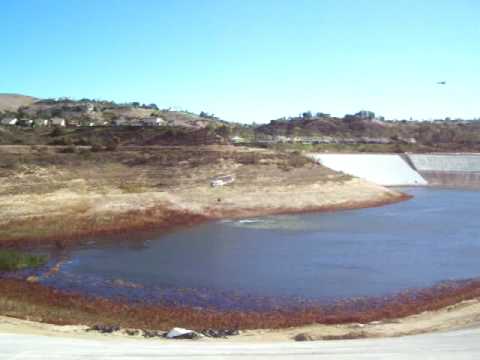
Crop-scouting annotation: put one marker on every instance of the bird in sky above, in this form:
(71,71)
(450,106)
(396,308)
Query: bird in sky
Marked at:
(441,83)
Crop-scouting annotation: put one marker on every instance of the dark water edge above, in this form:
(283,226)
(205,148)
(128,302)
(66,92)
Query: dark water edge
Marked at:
(289,262)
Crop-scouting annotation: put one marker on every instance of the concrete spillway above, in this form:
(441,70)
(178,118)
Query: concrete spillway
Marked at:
(446,162)
(448,169)
(383,169)
(408,169)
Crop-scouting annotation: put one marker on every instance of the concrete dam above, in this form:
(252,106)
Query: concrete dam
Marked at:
(461,170)
(448,169)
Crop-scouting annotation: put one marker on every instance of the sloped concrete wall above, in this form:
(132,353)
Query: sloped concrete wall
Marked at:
(459,170)
(383,169)
(446,162)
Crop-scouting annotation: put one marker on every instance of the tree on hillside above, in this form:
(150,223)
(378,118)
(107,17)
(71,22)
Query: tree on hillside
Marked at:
(109,116)
(307,115)
(57,131)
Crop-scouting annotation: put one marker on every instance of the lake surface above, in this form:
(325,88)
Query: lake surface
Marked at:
(310,257)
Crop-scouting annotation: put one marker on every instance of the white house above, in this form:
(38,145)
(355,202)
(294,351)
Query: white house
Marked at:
(153,121)
(282,139)
(40,122)
(26,122)
(56,121)
(9,121)
(237,140)
(121,122)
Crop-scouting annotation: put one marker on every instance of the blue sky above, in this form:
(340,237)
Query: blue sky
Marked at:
(248,60)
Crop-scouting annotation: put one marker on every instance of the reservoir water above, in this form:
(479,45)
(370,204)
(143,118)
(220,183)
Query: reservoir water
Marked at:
(323,257)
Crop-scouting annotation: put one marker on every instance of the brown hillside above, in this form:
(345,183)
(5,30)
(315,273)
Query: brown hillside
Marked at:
(11,102)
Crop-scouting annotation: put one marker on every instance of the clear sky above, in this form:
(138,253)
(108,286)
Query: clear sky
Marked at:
(249,60)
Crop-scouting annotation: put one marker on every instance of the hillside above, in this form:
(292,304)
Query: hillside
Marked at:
(356,134)
(90,112)
(101,136)
(12,102)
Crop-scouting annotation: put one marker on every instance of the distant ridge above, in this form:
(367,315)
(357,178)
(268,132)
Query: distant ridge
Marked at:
(11,102)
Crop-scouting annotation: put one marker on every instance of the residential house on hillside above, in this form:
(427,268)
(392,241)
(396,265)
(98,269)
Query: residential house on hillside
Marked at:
(25,122)
(365,115)
(371,140)
(153,121)
(40,122)
(57,121)
(282,139)
(237,140)
(9,121)
(121,122)
(314,140)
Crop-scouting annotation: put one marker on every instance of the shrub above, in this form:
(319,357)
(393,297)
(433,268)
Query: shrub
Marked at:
(249,159)
(96,147)
(57,131)
(13,260)
(8,164)
(297,160)
(82,142)
(113,144)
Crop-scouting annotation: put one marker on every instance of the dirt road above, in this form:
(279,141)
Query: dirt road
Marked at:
(456,345)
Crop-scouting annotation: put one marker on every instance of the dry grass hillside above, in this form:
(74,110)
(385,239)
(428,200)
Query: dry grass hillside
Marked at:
(46,189)
(12,102)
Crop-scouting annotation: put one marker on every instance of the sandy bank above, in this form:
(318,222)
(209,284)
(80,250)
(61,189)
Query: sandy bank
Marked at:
(68,215)
(463,315)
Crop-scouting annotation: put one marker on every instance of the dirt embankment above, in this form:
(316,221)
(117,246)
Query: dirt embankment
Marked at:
(47,194)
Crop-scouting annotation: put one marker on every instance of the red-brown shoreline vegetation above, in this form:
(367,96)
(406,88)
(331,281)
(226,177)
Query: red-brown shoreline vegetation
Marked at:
(40,303)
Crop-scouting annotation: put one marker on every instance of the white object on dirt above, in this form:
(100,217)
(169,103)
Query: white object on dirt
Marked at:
(176,332)
(222,180)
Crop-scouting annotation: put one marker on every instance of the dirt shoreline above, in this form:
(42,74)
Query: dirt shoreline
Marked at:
(462,314)
(173,219)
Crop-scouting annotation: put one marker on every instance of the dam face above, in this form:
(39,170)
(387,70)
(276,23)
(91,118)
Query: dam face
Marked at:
(462,170)
(448,169)
(383,169)
(446,162)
